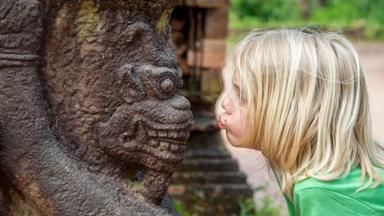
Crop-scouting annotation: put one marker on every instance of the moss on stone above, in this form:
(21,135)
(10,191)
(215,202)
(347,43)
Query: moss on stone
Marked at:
(163,22)
(87,19)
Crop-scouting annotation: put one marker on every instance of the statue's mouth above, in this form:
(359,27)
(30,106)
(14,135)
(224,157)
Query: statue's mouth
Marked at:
(161,146)
(143,138)
(168,143)
(168,140)
(163,142)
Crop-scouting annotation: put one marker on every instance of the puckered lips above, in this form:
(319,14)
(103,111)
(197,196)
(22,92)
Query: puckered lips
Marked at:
(220,124)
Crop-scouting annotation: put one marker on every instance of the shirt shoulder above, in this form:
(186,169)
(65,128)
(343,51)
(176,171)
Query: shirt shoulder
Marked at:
(338,197)
(321,201)
(350,182)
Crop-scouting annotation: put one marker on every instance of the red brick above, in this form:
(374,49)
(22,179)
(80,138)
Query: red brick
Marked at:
(214,53)
(177,189)
(216,23)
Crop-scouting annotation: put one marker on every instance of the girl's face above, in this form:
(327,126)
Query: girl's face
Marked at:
(231,114)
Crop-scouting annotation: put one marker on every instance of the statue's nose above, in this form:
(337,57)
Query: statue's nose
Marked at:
(180,102)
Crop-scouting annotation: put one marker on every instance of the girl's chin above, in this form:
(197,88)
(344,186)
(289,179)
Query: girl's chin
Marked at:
(232,140)
(236,142)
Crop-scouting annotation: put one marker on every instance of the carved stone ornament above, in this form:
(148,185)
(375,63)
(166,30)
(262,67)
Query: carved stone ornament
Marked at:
(91,122)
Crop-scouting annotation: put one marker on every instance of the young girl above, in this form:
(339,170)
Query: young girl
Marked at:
(300,98)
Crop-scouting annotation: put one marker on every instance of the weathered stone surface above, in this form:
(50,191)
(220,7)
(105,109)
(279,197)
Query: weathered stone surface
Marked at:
(90,119)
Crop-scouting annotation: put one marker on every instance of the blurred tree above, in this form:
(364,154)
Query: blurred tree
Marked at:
(271,10)
(366,15)
(322,3)
(304,8)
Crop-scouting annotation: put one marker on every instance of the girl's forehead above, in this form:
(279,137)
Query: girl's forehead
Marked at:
(226,73)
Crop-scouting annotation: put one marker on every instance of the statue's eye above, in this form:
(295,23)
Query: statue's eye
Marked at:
(167,86)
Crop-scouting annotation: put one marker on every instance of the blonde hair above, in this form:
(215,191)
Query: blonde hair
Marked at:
(307,100)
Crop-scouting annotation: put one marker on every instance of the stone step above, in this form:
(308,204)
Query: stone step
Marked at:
(205,153)
(204,124)
(206,165)
(221,190)
(209,178)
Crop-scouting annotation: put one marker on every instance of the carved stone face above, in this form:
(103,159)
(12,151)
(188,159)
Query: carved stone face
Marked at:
(151,127)
(113,88)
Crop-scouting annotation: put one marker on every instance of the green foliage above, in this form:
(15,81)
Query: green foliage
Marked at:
(366,15)
(348,11)
(267,10)
(267,207)
(249,208)
(181,209)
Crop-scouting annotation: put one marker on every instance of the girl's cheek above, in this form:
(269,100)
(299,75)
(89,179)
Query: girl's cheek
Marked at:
(244,120)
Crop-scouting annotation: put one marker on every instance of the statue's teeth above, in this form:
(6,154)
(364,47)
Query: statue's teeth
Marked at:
(152,133)
(162,134)
(154,143)
(181,134)
(164,146)
(172,134)
(174,148)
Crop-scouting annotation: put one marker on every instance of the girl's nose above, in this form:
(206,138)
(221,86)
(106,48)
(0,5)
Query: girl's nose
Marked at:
(225,104)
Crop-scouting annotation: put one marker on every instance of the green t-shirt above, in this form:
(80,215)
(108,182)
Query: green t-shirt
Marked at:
(336,198)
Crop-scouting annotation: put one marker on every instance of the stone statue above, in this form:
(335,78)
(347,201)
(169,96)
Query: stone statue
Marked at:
(91,122)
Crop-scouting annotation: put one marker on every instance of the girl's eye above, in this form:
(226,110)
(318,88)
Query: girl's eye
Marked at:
(236,91)
(167,86)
